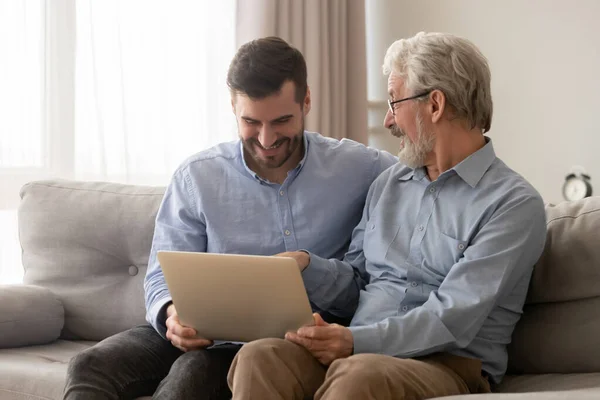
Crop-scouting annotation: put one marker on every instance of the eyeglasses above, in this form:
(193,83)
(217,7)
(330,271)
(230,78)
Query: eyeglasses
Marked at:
(391,103)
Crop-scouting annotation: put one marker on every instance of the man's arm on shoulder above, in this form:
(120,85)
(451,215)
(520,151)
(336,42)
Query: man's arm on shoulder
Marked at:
(500,256)
(334,285)
(384,160)
(178,227)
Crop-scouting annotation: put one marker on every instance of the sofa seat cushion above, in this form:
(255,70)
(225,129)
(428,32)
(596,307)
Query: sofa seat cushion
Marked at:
(38,372)
(543,387)
(575,394)
(551,382)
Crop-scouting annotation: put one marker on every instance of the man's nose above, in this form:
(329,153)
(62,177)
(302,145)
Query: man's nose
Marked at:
(267,136)
(388,120)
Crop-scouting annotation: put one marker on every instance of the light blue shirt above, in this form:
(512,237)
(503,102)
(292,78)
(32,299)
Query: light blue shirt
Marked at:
(439,266)
(216,204)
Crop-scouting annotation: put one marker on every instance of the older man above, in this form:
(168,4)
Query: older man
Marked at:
(439,265)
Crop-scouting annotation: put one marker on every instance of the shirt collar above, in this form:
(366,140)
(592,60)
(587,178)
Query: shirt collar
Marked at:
(410,174)
(417,174)
(407,176)
(296,170)
(470,170)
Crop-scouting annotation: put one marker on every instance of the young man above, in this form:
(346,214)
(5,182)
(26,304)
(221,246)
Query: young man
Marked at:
(439,264)
(277,189)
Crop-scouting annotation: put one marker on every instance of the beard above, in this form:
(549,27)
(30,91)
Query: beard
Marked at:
(287,146)
(414,154)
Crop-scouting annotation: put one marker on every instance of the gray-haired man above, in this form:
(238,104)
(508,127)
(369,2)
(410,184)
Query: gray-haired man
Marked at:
(439,265)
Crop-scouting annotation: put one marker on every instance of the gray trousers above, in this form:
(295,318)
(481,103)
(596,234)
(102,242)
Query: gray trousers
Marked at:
(139,362)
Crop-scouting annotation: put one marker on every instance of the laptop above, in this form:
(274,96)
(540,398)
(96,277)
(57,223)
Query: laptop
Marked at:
(231,297)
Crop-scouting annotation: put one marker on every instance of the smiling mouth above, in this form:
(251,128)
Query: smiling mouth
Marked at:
(275,145)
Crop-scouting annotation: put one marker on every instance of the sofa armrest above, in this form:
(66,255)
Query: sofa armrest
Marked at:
(29,315)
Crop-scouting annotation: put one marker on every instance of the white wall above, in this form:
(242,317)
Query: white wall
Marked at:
(545,61)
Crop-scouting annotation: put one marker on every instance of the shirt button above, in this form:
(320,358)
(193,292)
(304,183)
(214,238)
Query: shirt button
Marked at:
(432,190)
(404,308)
(281,193)
(287,232)
(461,246)
(421,227)
(414,284)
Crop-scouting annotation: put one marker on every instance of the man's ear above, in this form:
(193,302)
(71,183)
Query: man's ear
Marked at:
(306,103)
(233,104)
(437,105)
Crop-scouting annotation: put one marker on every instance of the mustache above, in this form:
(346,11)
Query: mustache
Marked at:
(396,131)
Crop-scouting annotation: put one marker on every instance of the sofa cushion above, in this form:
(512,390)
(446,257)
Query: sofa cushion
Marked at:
(89,242)
(37,372)
(557,338)
(575,394)
(569,268)
(29,315)
(559,331)
(551,382)
(542,387)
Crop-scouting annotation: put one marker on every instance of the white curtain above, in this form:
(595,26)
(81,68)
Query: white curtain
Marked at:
(150,85)
(22,139)
(331,35)
(118,90)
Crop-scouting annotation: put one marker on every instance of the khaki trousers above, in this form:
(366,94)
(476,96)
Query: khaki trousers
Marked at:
(279,369)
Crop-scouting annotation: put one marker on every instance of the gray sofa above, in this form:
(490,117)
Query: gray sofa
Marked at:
(85,250)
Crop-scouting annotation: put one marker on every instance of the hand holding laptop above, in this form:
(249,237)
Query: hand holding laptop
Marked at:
(302,258)
(183,337)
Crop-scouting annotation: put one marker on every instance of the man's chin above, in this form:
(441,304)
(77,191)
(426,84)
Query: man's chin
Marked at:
(409,159)
(275,160)
(271,162)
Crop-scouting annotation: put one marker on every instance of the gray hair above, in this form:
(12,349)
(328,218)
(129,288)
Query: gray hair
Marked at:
(449,63)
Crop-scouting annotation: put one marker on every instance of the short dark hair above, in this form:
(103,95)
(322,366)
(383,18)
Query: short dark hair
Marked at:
(261,67)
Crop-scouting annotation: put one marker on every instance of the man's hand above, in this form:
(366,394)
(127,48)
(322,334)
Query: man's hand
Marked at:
(326,342)
(302,258)
(181,336)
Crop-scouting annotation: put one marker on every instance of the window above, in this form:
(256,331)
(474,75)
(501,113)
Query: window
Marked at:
(21,83)
(114,90)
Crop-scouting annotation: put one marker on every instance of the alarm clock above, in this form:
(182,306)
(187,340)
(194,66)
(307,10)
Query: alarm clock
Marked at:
(577,186)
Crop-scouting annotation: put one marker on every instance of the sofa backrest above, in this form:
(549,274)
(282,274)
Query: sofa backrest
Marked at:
(89,242)
(559,331)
